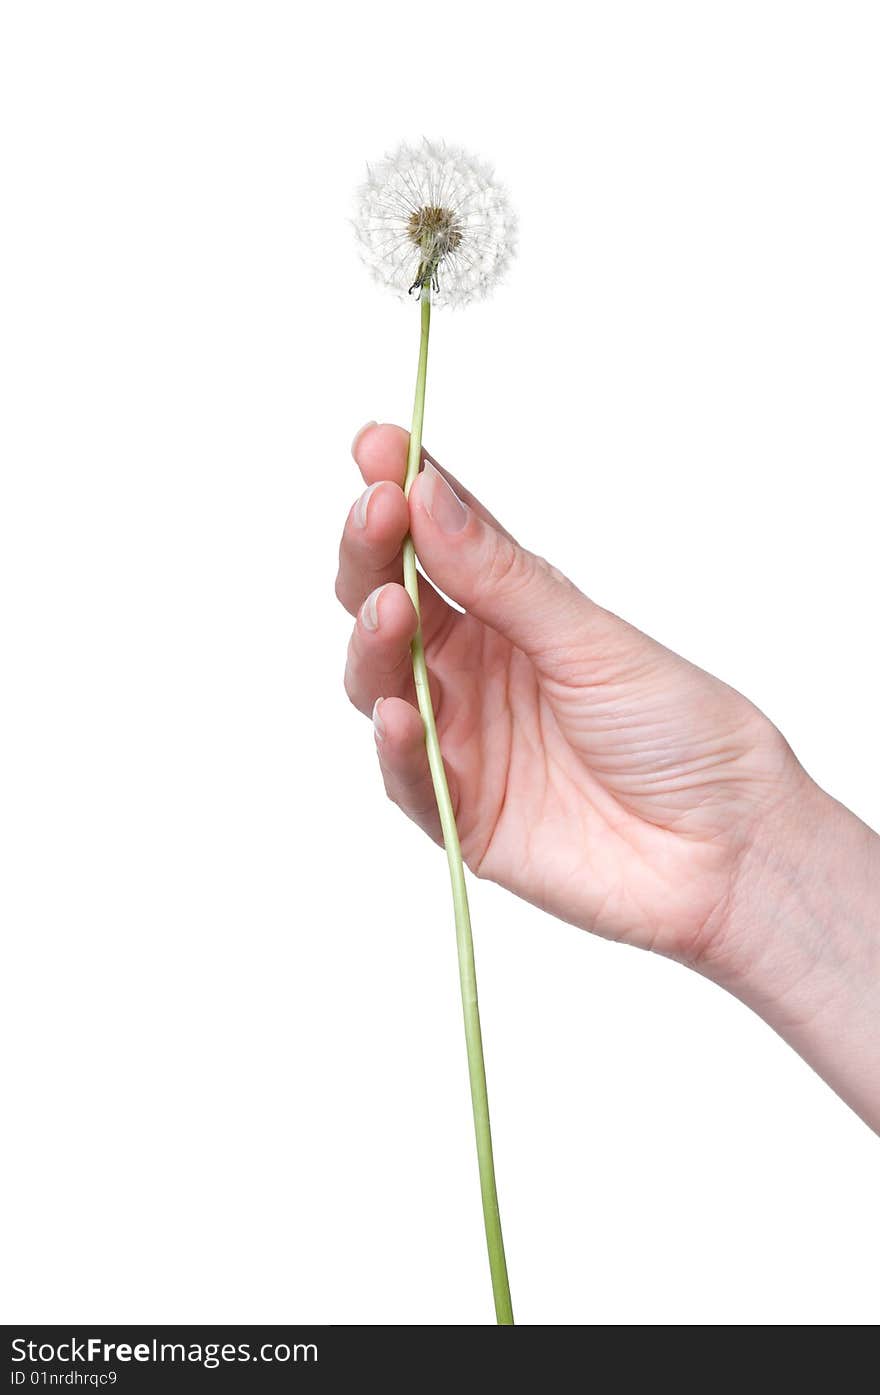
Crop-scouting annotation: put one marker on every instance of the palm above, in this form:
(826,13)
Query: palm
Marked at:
(621,808)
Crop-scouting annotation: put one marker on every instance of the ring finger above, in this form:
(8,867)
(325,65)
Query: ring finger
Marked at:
(378,663)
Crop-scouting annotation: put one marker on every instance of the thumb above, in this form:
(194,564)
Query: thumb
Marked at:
(480,566)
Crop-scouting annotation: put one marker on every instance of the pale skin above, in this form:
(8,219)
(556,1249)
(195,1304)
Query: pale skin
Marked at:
(604,778)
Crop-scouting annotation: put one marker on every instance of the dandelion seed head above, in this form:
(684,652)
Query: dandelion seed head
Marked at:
(434,215)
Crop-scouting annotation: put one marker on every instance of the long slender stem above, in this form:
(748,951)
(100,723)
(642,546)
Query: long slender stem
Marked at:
(464,938)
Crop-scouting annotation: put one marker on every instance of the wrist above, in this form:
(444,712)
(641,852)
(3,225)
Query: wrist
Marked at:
(801,938)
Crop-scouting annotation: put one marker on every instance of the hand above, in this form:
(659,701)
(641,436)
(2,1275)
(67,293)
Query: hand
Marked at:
(606,779)
(593,772)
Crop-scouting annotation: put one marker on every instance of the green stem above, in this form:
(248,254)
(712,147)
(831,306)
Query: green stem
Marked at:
(464,938)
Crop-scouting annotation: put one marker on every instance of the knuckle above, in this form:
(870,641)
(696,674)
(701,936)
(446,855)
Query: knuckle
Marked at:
(351,691)
(542,565)
(392,792)
(341,591)
(507,566)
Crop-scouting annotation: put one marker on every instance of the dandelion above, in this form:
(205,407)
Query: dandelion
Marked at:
(433,223)
(433,215)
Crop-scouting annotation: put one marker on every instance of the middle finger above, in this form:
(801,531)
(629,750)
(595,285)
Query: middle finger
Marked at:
(369,553)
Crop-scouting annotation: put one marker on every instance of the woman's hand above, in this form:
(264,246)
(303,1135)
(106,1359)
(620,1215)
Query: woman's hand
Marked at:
(593,772)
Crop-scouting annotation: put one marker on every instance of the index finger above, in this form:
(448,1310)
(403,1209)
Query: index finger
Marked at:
(380,450)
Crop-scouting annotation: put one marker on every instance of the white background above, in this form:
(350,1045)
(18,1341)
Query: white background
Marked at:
(233,1066)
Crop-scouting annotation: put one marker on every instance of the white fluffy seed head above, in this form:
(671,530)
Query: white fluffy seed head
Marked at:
(432,214)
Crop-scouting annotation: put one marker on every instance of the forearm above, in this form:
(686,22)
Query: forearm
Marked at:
(803,941)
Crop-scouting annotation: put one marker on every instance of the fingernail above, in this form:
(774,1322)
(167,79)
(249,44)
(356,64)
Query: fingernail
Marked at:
(442,502)
(363,503)
(366,426)
(370,609)
(378,724)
